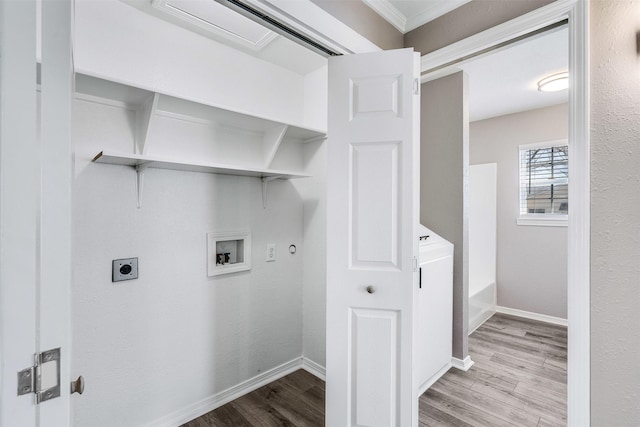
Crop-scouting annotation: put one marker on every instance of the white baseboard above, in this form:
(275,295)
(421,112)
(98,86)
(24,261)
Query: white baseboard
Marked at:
(210,403)
(463,365)
(533,316)
(314,368)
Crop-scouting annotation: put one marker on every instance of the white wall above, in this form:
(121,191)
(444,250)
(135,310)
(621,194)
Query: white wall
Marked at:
(173,337)
(532,261)
(615,203)
(314,194)
(315,98)
(154,347)
(482,226)
(119,42)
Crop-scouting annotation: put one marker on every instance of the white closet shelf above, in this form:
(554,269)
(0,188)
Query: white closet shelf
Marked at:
(248,145)
(139,161)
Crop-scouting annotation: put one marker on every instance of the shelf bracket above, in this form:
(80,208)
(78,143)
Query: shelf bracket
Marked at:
(271,142)
(144,120)
(140,181)
(265,183)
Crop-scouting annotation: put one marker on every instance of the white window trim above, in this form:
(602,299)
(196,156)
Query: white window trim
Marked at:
(540,220)
(543,220)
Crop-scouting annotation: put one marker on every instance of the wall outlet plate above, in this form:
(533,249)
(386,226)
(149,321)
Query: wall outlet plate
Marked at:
(124,269)
(271,252)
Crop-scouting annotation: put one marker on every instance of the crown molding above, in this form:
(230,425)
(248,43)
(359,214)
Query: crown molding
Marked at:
(404,23)
(389,12)
(436,10)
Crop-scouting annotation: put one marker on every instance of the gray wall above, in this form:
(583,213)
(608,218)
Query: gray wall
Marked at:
(467,20)
(444,171)
(365,21)
(532,260)
(615,213)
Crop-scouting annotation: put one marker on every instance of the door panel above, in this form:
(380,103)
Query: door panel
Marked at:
(374,358)
(374,187)
(372,216)
(375,97)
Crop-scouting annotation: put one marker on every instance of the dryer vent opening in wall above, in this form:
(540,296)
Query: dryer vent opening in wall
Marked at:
(228,252)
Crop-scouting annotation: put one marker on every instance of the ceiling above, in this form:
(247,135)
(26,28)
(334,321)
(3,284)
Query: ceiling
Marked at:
(505,81)
(407,15)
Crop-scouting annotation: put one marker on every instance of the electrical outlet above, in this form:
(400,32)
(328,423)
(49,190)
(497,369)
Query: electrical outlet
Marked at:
(124,269)
(271,252)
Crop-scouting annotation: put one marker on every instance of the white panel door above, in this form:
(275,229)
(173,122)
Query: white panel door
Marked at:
(35,206)
(372,216)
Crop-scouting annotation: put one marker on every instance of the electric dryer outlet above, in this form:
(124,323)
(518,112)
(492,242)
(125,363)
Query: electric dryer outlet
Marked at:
(124,269)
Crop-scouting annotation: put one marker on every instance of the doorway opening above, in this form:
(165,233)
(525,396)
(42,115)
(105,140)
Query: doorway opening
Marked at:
(442,62)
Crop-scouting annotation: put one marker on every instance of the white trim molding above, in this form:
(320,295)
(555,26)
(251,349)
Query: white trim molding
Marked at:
(403,23)
(532,316)
(389,12)
(542,220)
(579,231)
(435,10)
(434,65)
(509,30)
(210,403)
(462,364)
(314,368)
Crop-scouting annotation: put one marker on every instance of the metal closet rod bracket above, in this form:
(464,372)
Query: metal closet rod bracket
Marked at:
(265,183)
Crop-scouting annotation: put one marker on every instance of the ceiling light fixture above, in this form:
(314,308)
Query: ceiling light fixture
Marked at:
(554,82)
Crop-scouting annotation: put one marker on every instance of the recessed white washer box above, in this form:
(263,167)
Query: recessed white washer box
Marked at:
(228,252)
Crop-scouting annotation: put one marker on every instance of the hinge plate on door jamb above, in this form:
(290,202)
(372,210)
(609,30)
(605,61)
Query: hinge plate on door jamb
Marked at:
(416,86)
(38,378)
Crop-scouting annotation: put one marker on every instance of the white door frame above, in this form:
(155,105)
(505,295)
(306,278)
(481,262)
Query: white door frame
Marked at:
(18,206)
(577,12)
(35,204)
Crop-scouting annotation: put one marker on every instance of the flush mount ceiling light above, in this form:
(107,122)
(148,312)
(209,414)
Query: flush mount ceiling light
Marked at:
(554,82)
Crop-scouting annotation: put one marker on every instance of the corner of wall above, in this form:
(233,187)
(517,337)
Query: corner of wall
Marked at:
(316,98)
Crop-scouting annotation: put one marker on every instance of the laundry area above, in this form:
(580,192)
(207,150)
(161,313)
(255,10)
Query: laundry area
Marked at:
(205,199)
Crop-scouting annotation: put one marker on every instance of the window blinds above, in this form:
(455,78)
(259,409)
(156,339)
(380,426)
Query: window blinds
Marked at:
(544,179)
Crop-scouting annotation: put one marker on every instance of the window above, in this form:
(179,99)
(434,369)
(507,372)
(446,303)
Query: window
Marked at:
(544,184)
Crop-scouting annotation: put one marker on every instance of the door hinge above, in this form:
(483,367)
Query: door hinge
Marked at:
(415,264)
(43,378)
(416,86)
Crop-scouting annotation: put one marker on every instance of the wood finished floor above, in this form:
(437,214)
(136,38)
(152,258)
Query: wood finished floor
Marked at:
(519,379)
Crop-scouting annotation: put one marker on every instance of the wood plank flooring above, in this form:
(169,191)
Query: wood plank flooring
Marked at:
(518,379)
(295,400)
